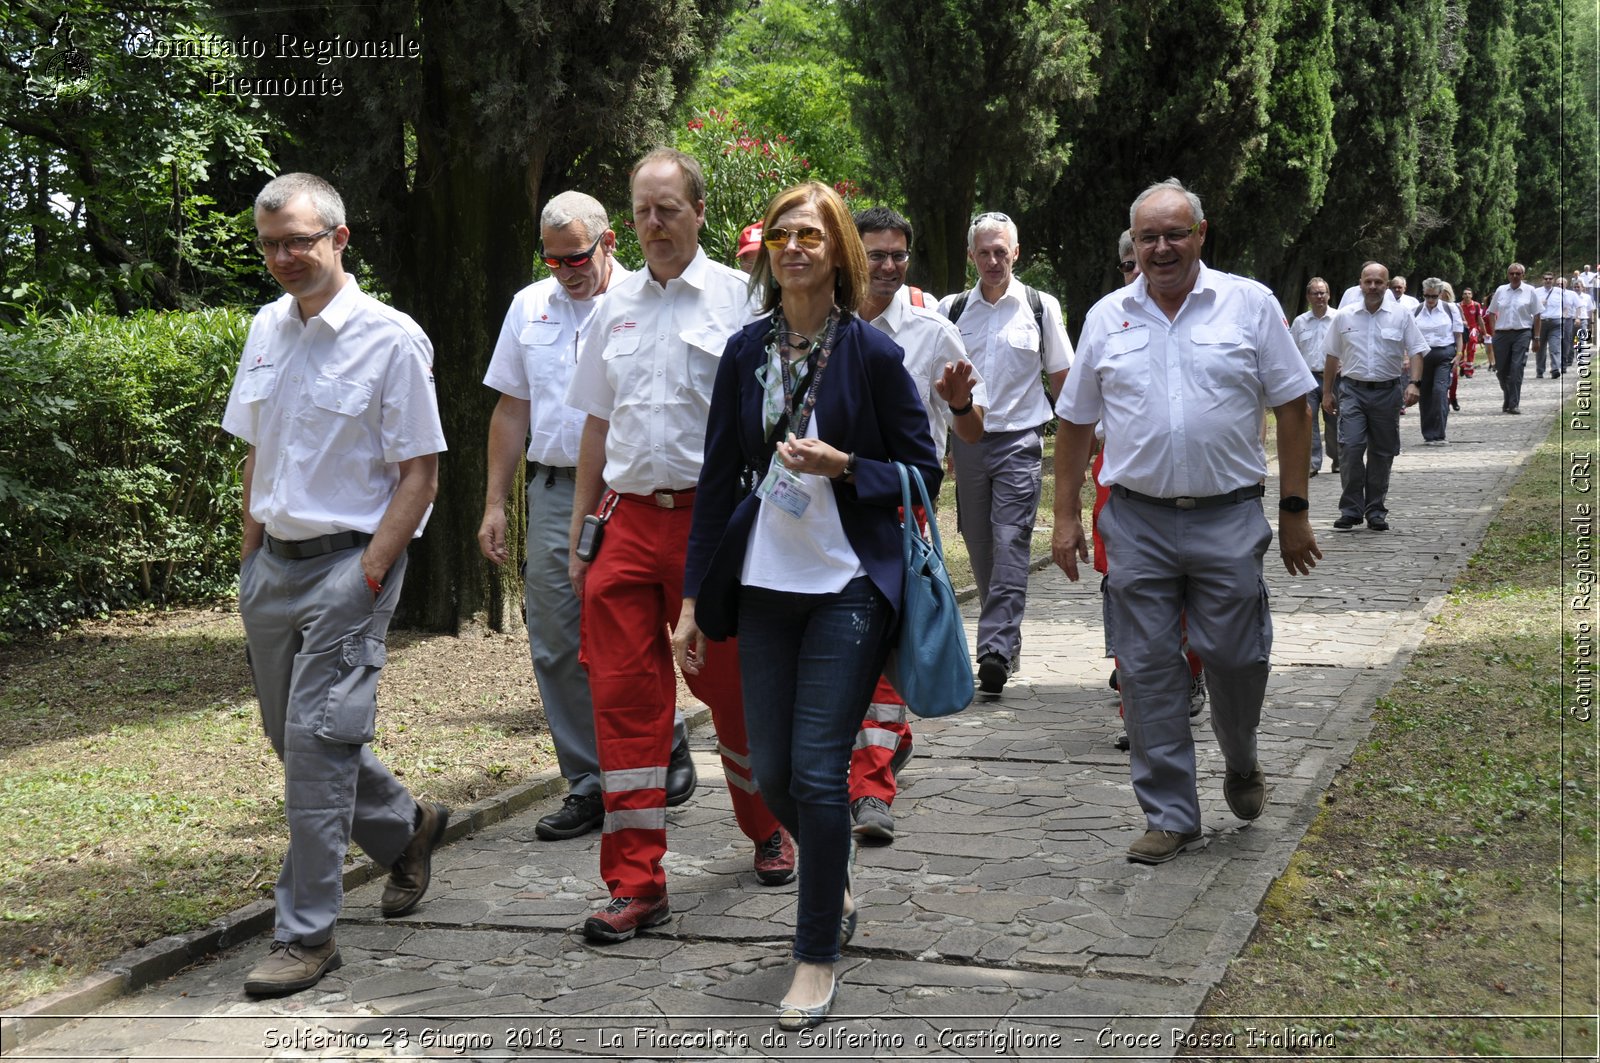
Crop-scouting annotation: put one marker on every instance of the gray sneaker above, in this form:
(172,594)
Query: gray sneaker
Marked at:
(1197,694)
(291,967)
(874,823)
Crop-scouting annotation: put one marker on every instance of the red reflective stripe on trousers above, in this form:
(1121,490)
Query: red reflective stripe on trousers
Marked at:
(631,601)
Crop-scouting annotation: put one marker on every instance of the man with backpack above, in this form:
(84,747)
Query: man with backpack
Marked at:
(1011,333)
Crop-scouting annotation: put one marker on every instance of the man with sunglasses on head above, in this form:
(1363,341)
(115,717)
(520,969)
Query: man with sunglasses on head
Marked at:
(334,395)
(645,370)
(1177,366)
(955,398)
(1010,332)
(531,369)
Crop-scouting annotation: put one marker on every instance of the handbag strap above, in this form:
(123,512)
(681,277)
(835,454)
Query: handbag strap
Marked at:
(909,521)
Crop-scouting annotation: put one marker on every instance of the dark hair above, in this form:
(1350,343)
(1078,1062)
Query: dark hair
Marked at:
(850,255)
(882,219)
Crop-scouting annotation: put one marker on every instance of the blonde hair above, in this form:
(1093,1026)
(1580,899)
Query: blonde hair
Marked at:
(849,253)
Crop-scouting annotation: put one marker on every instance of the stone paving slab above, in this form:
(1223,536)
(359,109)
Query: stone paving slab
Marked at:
(1004,921)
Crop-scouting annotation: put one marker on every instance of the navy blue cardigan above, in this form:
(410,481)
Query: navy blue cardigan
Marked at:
(867,406)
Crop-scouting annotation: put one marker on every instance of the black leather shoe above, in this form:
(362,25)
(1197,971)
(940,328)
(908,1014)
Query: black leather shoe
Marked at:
(578,815)
(1345,523)
(681,778)
(1377,524)
(993,672)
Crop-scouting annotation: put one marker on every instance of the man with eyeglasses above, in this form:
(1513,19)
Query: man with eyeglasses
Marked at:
(531,369)
(1010,333)
(645,370)
(1176,366)
(1310,332)
(1513,313)
(955,399)
(334,395)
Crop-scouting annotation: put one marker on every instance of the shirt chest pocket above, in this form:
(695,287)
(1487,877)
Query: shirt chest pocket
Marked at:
(341,395)
(1391,333)
(258,383)
(541,351)
(1125,371)
(1023,338)
(1222,358)
(704,351)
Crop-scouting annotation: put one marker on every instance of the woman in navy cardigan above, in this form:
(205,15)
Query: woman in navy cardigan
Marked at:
(811,407)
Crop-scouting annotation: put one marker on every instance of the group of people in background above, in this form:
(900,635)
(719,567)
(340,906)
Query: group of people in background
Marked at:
(712,489)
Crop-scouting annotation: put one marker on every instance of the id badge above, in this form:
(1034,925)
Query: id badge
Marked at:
(783,488)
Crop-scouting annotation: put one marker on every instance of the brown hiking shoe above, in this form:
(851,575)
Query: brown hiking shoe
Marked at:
(409,877)
(1159,846)
(291,967)
(1245,794)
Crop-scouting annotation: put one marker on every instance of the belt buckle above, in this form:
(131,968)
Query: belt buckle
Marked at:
(665,499)
(1183,502)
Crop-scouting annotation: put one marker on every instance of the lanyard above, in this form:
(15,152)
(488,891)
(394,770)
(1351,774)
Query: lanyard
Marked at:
(810,399)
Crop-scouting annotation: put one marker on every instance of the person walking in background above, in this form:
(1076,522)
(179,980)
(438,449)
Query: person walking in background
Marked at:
(1513,312)
(1548,326)
(644,378)
(1011,332)
(1472,314)
(334,395)
(1310,332)
(816,406)
(1441,330)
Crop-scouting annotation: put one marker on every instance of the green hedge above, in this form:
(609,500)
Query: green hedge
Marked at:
(118,485)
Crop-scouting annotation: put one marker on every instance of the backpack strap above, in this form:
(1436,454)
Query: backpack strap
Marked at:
(959,306)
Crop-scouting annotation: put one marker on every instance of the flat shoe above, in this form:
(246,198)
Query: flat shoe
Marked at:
(798,1017)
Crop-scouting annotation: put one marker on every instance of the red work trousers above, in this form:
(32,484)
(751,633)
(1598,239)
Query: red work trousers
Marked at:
(631,600)
(885,730)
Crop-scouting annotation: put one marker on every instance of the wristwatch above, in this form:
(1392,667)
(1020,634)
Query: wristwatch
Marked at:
(849,467)
(1293,504)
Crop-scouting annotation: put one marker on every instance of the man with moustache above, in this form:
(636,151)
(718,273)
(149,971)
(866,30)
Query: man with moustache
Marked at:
(955,398)
(1513,312)
(334,395)
(644,377)
(531,368)
(1177,367)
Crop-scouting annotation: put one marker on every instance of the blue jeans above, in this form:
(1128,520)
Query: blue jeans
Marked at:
(808,664)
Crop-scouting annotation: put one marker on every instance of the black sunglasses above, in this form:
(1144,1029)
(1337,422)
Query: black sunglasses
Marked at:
(1127,265)
(572,261)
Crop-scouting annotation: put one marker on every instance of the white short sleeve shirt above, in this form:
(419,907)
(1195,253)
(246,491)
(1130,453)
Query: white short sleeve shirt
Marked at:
(1182,400)
(1374,345)
(1513,308)
(332,406)
(534,359)
(647,366)
(1005,345)
(929,342)
(1310,334)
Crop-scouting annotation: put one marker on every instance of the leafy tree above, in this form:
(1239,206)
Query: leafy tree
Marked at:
(781,68)
(964,97)
(118,166)
(743,170)
(446,154)
(1556,162)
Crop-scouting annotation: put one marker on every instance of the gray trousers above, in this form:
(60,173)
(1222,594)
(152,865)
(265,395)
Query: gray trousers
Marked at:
(1331,420)
(551,610)
(997,499)
(1510,362)
(316,640)
(1206,562)
(1552,341)
(1369,441)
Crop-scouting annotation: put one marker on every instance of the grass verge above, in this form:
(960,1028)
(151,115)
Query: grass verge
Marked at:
(1443,903)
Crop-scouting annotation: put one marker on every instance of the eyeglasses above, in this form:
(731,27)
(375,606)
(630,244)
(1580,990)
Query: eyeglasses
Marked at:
(576,261)
(1176,236)
(1127,265)
(878,258)
(295,245)
(808,237)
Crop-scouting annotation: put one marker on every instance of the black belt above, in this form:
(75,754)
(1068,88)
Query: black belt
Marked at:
(550,472)
(1243,494)
(300,549)
(1373,384)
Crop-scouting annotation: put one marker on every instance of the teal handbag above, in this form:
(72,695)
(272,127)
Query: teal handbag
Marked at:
(929,665)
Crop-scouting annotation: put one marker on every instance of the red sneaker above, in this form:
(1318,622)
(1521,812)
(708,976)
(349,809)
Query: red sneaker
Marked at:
(774,861)
(625,917)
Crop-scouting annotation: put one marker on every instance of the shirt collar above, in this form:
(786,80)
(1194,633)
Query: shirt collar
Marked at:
(1013,291)
(1138,293)
(894,315)
(334,315)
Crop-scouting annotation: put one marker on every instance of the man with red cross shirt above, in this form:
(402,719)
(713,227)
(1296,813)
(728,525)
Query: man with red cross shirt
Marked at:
(644,376)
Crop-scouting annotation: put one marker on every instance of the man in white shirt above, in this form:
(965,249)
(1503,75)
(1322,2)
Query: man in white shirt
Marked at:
(334,394)
(531,369)
(1549,325)
(644,377)
(955,399)
(1375,356)
(1513,310)
(1570,302)
(1310,332)
(1177,366)
(1010,332)
(1397,293)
